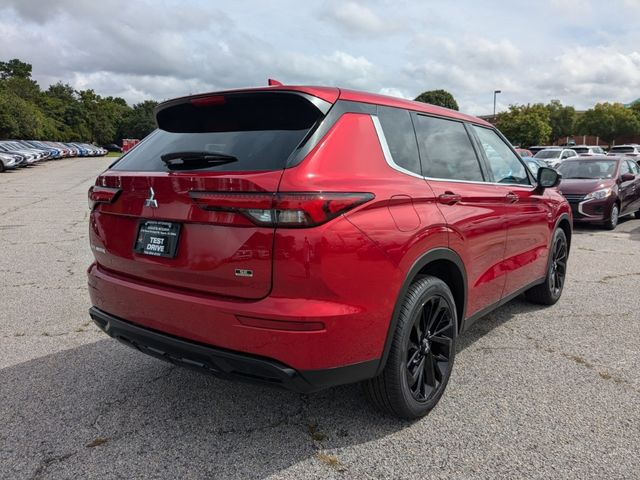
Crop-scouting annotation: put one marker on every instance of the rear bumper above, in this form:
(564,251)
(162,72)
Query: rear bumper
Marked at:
(224,363)
(340,334)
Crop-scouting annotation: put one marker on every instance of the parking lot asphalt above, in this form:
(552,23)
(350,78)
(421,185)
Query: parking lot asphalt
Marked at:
(535,392)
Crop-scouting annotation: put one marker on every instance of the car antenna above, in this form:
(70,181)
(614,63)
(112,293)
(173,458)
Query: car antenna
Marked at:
(274,83)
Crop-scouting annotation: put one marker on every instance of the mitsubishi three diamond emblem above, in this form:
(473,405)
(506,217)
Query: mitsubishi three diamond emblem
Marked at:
(151,201)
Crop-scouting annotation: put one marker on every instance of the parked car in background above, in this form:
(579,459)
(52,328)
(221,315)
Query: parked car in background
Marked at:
(523,152)
(631,150)
(555,156)
(21,153)
(9,161)
(536,148)
(255,250)
(601,188)
(534,164)
(54,153)
(112,147)
(31,155)
(586,150)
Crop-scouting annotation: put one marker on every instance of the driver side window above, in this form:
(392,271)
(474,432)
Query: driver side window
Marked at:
(504,164)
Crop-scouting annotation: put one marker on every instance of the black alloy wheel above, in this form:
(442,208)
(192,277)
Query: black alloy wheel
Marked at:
(422,351)
(558,265)
(549,291)
(429,348)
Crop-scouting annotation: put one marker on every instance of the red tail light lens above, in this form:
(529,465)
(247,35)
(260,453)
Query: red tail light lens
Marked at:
(286,209)
(99,194)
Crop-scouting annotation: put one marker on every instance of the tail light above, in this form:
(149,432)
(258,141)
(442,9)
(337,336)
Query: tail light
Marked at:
(99,194)
(286,209)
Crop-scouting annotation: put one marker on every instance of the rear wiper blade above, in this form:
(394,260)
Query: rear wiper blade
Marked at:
(194,160)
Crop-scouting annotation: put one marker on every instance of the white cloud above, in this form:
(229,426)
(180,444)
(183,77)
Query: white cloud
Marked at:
(356,18)
(138,50)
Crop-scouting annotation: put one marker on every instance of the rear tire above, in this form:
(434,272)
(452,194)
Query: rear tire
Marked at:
(422,352)
(1,166)
(637,214)
(549,292)
(614,216)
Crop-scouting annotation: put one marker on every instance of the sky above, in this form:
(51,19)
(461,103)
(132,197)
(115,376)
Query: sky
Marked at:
(578,51)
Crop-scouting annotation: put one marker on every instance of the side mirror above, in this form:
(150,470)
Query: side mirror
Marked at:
(628,177)
(548,177)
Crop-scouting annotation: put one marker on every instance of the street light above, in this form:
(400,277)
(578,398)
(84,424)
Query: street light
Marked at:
(495,92)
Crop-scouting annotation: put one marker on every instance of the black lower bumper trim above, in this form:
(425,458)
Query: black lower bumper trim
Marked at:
(225,363)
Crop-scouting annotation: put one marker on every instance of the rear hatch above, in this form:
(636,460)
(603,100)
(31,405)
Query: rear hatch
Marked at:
(187,207)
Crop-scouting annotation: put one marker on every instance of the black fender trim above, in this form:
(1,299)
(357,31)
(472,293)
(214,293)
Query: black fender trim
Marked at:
(419,264)
(564,216)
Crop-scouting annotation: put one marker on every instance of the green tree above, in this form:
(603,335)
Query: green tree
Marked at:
(526,125)
(441,98)
(15,69)
(635,108)
(608,121)
(61,103)
(561,119)
(139,121)
(20,118)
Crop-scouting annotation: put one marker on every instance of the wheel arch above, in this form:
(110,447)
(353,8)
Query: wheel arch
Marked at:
(564,222)
(442,263)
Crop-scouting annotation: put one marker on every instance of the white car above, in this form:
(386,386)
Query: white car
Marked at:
(588,150)
(631,150)
(555,156)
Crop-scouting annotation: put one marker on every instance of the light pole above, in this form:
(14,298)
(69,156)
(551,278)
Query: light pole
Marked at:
(495,92)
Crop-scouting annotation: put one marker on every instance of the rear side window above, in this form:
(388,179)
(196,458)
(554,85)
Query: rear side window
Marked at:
(505,165)
(258,130)
(446,150)
(621,150)
(398,131)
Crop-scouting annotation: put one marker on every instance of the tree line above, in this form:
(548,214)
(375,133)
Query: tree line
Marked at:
(540,124)
(62,113)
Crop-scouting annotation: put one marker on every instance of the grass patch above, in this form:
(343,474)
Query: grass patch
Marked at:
(97,442)
(114,154)
(330,460)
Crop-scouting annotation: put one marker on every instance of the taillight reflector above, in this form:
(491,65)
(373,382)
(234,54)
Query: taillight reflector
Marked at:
(285,209)
(280,324)
(98,194)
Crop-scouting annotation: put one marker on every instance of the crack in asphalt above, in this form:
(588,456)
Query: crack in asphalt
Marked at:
(577,359)
(606,278)
(46,462)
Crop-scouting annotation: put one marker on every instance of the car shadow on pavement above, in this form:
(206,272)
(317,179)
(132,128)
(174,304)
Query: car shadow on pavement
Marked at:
(105,409)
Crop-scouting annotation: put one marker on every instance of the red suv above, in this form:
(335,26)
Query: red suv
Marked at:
(309,237)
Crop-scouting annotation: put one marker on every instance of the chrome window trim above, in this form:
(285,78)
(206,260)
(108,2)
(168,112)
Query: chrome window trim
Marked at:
(385,149)
(389,159)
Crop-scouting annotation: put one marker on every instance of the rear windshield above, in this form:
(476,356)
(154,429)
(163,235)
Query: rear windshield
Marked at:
(621,150)
(548,154)
(258,130)
(588,169)
(581,149)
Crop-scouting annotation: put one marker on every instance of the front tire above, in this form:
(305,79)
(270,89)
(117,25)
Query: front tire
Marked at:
(422,352)
(549,292)
(614,215)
